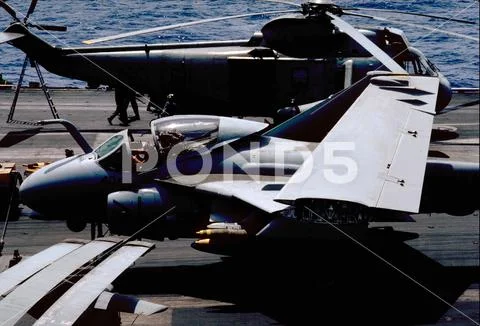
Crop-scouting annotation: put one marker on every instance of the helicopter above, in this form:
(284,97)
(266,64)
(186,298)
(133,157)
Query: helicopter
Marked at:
(286,60)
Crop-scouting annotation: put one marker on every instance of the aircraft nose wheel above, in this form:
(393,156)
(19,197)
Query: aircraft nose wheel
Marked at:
(78,225)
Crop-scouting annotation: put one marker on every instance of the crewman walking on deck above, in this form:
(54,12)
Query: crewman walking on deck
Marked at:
(122,99)
(132,98)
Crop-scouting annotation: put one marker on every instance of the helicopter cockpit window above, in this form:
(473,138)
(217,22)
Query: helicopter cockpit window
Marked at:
(109,154)
(415,63)
(192,133)
(432,65)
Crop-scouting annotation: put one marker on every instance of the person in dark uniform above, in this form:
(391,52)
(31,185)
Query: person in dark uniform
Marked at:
(132,98)
(170,106)
(122,100)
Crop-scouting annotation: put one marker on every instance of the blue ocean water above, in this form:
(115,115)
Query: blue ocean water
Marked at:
(457,58)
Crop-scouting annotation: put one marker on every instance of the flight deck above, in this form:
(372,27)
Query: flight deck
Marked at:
(396,278)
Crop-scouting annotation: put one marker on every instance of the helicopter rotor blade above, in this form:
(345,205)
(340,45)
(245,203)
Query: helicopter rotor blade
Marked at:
(285,2)
(31,9)
(168,27)
(9,10)
(436,30)
(55,28)
(371,47)
(412,25)
(413,14)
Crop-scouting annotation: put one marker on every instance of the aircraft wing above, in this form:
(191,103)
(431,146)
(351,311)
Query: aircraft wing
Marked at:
(68,308)
(27,267)
(260,194)
(376,153)
(89,266)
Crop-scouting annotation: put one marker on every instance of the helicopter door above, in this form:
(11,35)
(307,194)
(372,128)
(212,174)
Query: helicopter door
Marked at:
(252,84)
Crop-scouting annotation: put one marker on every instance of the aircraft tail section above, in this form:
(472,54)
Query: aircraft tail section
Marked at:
(7,36)
(18,35)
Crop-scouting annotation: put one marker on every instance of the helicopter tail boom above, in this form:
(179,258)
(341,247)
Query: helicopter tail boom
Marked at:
(22,38)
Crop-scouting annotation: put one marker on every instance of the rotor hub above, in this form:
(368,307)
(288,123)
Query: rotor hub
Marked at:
(319,7)
(320,2)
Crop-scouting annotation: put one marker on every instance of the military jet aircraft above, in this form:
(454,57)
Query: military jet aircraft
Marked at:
(359,156)
(288,60)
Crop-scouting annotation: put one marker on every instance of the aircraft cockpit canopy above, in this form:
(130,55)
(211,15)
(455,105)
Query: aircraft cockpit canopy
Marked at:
(192,132)
(108,146)
(109,153)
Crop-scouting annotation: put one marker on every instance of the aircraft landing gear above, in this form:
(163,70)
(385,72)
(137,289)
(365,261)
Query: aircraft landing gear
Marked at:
(98,227)
(78,225)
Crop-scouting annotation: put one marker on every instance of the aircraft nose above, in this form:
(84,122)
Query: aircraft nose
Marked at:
(32,190)
(29,187)
(444,94)
(63,187)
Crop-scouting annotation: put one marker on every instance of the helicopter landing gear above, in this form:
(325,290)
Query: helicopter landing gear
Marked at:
(78,225)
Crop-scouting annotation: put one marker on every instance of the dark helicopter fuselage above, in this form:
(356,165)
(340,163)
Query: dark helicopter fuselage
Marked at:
(252,77)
